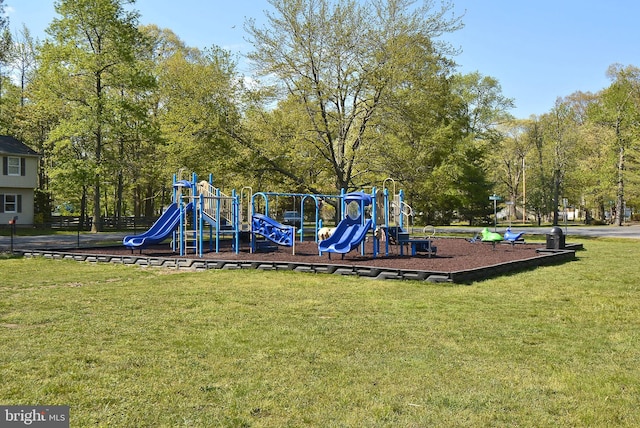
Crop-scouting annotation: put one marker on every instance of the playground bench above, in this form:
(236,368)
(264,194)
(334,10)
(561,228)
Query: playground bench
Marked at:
(419,246)
(402,238)
(423,245)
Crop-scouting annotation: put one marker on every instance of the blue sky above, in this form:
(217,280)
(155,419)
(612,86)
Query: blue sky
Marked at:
(538,50)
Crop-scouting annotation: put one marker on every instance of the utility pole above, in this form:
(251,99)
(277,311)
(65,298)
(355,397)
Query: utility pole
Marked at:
(524,193)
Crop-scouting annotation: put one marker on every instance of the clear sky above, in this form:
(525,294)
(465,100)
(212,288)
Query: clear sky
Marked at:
(538,50)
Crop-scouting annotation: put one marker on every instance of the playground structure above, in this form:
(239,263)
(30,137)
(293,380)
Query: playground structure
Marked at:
(351,231)
(196,207)
(200,215)
(262,225)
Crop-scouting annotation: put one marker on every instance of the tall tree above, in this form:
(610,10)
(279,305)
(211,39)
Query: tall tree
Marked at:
(560,134)
(194,107)
(538,197)
(338,59)
(199,95)
(25,59)
(6,48)
(508,162)
(485,108)
(146,163)
(281,155)
(91,54)
(588,182)
(594,174)
(421,125)
(619,110)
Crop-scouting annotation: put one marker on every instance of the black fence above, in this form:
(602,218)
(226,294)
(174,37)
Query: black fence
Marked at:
(106,223)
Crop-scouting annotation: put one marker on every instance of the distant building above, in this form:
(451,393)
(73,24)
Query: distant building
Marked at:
(18,180)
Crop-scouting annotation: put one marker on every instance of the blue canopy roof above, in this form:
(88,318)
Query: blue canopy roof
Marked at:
(182,183)
(358,197)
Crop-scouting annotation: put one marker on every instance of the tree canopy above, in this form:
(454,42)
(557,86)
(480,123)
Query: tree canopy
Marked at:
(343,94)
(340,63)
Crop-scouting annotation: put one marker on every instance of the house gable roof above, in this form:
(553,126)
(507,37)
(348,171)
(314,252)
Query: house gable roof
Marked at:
(11,146)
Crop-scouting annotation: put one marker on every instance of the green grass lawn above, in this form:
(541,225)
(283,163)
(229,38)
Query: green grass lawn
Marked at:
(133,347)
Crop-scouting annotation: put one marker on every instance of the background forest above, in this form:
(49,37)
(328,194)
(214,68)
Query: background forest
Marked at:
(344,94)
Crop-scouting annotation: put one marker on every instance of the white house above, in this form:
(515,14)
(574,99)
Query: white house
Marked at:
(18,179)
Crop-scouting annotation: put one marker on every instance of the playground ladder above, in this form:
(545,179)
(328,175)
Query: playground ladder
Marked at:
(190,233)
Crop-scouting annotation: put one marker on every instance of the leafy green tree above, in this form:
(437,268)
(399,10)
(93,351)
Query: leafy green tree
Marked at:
(588,185)
(557,149)
(36,116)
(281,155)
(147,166)
(7,88)
(485,108)
(200,96)
(9,105)
(419,126)
(194,108)
(90,56)
(24,59)
(507,163)
(619,110)
(38,112)
(455,119)
(594,174)
(6,47)
(538,192)
(339,61)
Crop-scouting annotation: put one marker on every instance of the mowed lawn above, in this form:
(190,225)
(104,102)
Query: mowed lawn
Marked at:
(126,346)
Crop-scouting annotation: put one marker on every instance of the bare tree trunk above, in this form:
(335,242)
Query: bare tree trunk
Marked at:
(619,220)
(96,226)
(83,208)
(119,192)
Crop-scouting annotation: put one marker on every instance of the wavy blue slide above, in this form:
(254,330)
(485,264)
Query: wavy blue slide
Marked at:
(348,234)
(160,230)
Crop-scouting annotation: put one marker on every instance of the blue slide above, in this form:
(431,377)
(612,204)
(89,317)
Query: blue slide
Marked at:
(348,234)
(160,230)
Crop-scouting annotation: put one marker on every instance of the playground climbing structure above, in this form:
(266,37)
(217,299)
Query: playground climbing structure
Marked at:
(200,216)
(198,213)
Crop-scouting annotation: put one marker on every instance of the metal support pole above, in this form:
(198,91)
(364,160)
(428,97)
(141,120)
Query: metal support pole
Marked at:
(12,222)
(495,198)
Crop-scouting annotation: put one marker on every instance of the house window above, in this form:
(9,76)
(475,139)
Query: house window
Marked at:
(10,203)
(13,166)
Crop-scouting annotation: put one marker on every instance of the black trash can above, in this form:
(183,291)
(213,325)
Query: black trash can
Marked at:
(555,239)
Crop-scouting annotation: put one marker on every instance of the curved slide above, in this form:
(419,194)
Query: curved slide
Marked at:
(348,235)
(160,230)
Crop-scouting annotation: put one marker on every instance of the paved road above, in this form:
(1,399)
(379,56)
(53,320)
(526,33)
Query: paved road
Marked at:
(58,241)
(89,239)
(632,231)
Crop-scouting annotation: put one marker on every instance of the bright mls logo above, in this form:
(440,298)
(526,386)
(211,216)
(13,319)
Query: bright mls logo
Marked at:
(34,416)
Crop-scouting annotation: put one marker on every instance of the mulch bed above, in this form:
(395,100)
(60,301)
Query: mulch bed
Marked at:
(454,254)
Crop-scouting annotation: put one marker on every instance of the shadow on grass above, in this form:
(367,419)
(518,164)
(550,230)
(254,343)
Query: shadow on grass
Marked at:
(6,255)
